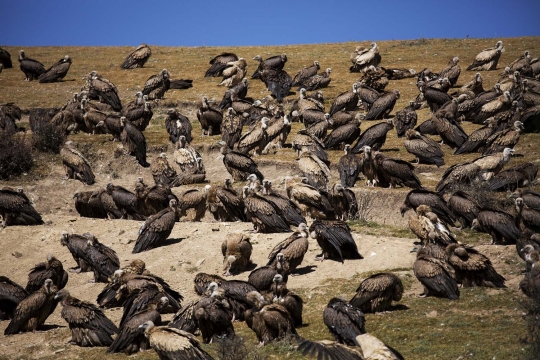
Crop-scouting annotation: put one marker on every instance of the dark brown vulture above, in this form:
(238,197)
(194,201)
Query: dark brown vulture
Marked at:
(499,224)
(265,215)
(278,82)
(269,322)
(101,259)
(376,293)
(275,63)
(434,97)
(195,200)
(237,92)
(374,136)
(17,209)
(319,127)
(224,202)
(310,200)
(76,245)
(89,204)
(317,81)
(255,139)
(472,268)
(305,73)
(56,72)
(291,251)
(103,89)
(236,250)
(344,321)
(171,343)
(366,58)
(335,239)
(465,207)
(31,68)
(405,119)
(51,270)
(435,201)
(450,131)
(33,310)
(87,323)
(11,294)
(220,63)
(162,172)
(213,319)
(131,337)
(262,277)
(395,172)
(487,59)
(124,201)
(437,277)
(383,106)
(286,298)
(451,71)
(503,139)
(346,101)
(517,176)
(314,169)
(134,141)
(156,229)
(344,202)
(239,165)
(76,165)
(425,149)
(137,58)
(349,167)
(529,218)
(5,59)
(157,85)
(291,212)
(347,134)
(477,140)
(209,118)
(140,116)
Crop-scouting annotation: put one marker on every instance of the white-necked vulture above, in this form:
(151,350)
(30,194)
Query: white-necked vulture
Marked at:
(220,63)
(137,58)
(487,59)
(344,321)
(31,68)
(16,208)
(76,165)
(425,149)
(335,239)
(374,136)
(437,277)
(156,229)
(376,293)
(57,71)
(11,294)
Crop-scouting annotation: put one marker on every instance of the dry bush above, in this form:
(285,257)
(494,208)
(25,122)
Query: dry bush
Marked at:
(48,137)
(235,348)
(15,155)
(366,200)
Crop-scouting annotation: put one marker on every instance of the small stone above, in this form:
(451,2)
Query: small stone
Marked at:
(199,263)
(215,229)
(49,222)
(16,254)
(432,314)
(130,241)
(121,232)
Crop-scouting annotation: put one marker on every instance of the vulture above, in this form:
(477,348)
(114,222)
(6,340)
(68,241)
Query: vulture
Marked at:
(213,318)
(451,71)
(405,119)
(224,202)
(477,140)
(435,201)
(344,321)
(11,294)
(291,251)
(51,270)
(17,209)
(231,127)
(256,138)
(425,149)
(347,134)
(137,58)
(437,277)
(499,224)
(124,201)
(530,198)
(131,337)
(31,68)
(232,292)
(76,245)
(289,300)
(317,81)
(187,158)
(101,259)
(318,128)
(395,172)
(491,165)
(374,77)
(530,218)
(177,125)
(448,129)
(346,101)
(56,72)
(435,97)
(192,199)
(262,278)
(374,136)
(238,91)
(274,63)
(277,133)
(291,211)
(305,73)
(239,165)
(156,229)
(335,239)
(383,106)
(140,116)
(32,311)
(87,323)
(134,141)
(209,118)
(152,199)
(236,250)
(518,176)
(399,73)
(157,85)
(349,167)
(278,82)
(303,141)
(314,169)
(309,199)
(5,59)
(487,59)
(458,174)
(268,321)
(376,293)
(220,63)
(491,108)
(265,215)
(89,204)
(234,73)
(472,268)
(344,202)
(465,208)
(76,165)
(171,343)
(366,58)
(503,139)
(103,89)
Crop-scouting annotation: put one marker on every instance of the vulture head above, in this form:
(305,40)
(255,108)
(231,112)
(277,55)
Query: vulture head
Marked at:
(347,149)
(109,188)
(355,88)
(229,263)
(412,134)
(373,45)
(230,111)
(490,121)
(123,121)
(213,288)
(475,225)
(163,303)
(283,57)
(338,188)
(91,239)
(316,63)
(252,178)
(181,142)
(245,191)
(518,125)
(519,204)
(64,238)
(302,227)
(228,183)
(47,285)
(507,152)
(258,58)
(21,55)
(278,279)
(423,210)
(255,298)
(173,204)
(207,188)
(366,150)
(147,326)
(61,295)
(264,123)
(455,60)
(141,46)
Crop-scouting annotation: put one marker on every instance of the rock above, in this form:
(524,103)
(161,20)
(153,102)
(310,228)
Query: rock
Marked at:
(215,228)
(199,263)
(16,254)
(432,314)
(121,232)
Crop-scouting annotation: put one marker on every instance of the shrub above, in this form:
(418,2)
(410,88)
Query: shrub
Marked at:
(48,137)
(15,155)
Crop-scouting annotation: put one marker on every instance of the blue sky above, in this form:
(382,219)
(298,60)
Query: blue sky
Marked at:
(241,23)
